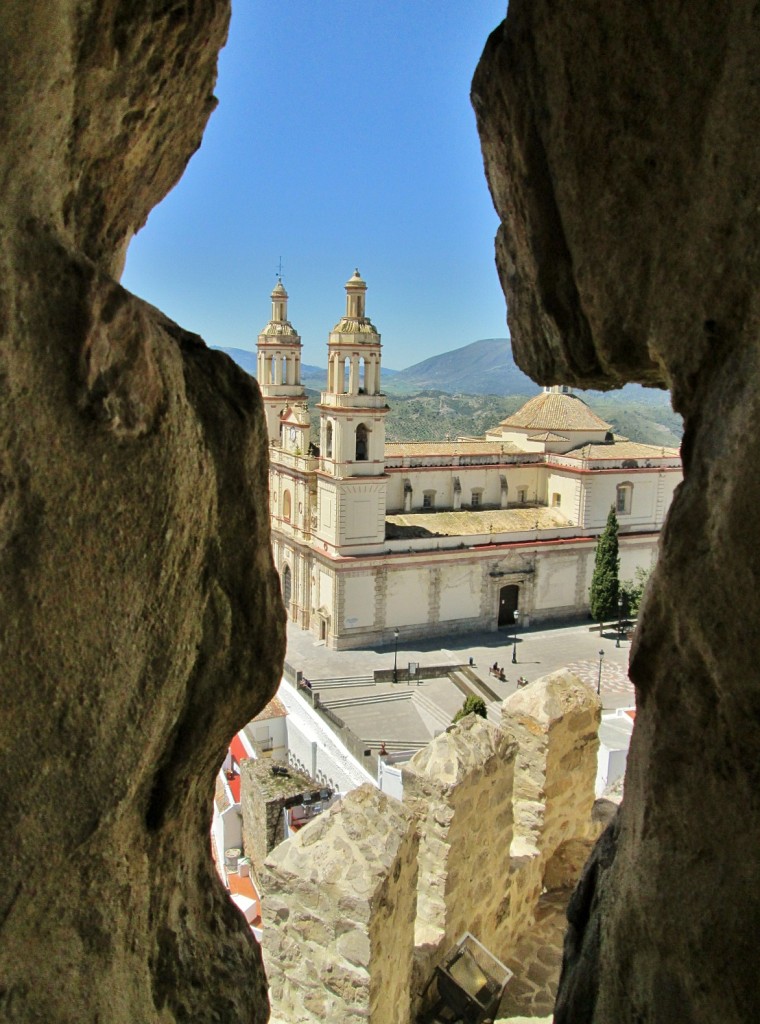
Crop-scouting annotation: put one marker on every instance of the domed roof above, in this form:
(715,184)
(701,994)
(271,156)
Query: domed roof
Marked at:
(356,280)
(555,411)
(278,292)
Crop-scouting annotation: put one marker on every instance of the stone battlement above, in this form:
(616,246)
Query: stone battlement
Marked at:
(363,903)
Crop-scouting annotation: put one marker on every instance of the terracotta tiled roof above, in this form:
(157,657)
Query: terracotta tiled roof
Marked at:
(401,449)
(547,435)
(623,449)
(274,709)
(555,411)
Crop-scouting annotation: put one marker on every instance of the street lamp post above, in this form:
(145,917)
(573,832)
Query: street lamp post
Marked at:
(514,642)
(395,656)
(620,619)
(599,680)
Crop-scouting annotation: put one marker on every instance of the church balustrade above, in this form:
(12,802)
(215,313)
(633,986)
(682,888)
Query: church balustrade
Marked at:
(302,463)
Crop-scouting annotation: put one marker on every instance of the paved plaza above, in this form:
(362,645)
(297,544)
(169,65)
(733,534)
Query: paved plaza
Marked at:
(406,716)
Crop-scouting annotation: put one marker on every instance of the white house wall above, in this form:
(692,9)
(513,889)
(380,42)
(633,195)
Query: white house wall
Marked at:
(556,583)
(652,495)
(459,592)
(407,598)
(358,601)
(324,597)
(564,493)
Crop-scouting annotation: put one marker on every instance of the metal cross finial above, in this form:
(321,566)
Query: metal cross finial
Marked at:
(279,269)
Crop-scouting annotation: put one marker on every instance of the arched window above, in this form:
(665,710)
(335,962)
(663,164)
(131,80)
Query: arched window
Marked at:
(286,583)
(286,505)
(328,440)
(624,499)
(362,445)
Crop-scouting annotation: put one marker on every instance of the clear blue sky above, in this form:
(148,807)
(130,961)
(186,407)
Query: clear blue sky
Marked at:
(344,137)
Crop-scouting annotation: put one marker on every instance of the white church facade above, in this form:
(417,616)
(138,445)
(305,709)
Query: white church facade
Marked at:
(432,539)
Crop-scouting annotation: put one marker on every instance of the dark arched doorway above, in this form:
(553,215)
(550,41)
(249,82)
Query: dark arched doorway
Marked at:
(508,599)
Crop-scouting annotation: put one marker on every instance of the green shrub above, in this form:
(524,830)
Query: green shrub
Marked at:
(472,706)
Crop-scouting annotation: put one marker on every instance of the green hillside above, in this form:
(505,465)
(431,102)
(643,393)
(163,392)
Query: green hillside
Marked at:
(433,415)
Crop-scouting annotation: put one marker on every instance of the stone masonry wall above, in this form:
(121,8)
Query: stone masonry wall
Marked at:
(460,789)
(262,798)
(339,902)
(357,894)
(554,722)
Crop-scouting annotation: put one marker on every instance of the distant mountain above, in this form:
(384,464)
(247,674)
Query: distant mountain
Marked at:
(312,376)
(484,367)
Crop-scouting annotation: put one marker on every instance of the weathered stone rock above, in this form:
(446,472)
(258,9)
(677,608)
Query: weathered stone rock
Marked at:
(615,142)
(142,622)
(343,951)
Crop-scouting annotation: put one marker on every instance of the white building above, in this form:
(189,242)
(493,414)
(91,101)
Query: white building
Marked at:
(442,538)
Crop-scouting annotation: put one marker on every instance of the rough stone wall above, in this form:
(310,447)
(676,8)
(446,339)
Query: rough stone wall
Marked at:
(339,902)
(616,144)
(262,799)
(136,583)
(341,927)
(459,788)
(554,722)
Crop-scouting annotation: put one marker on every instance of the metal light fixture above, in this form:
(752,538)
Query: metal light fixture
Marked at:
(514,642)
(599,680)
(395,656)
(620,619)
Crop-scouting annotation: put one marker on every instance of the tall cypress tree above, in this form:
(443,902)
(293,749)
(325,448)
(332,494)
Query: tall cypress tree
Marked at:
(604,582)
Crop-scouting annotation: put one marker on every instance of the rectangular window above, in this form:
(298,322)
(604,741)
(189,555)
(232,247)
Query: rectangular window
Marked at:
(428,499)
(624,499)
(556,500)
(475,499)
(522,495)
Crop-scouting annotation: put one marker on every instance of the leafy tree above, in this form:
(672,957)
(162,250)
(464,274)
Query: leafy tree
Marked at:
(472,706)
(633,591)
(604,582)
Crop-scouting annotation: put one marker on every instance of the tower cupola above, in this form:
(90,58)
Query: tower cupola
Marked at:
(278,363)
(279,303)
(356,291)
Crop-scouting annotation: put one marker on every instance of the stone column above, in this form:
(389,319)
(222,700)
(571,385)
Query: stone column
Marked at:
(339,902)
(353,376)
(460,789)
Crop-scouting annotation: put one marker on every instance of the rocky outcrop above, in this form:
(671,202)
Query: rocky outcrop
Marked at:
(615,144)
(142,622)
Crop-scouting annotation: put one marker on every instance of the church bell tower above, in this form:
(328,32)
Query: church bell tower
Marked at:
(278,371)
(352,481)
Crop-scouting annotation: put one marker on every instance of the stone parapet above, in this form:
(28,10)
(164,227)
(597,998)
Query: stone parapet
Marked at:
(460,789)
(340,901)
(554,722)
(363,903)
